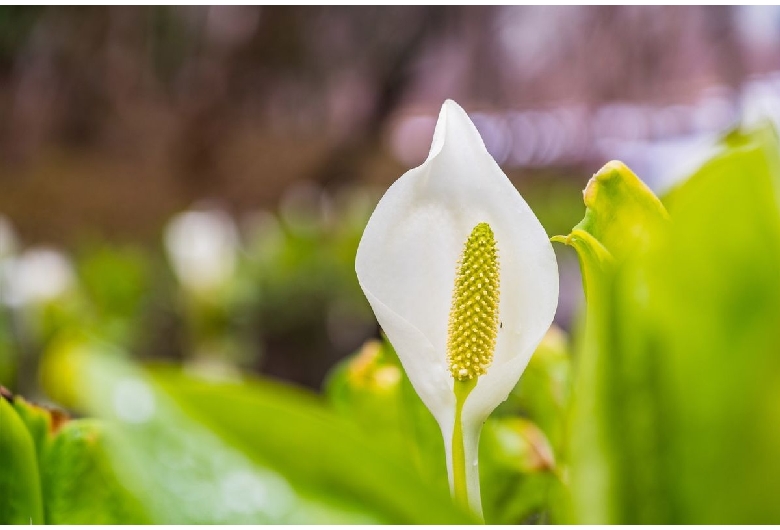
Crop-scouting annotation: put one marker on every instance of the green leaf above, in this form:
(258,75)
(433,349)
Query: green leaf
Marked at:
(715,309)
(38,421)
(675,410)
(371,389)
(20,489)
(542,394)
(621,211)
(517,470)
(622,216)
(313,447)
(182,471)
(114,284)
(197,451)
(79,484)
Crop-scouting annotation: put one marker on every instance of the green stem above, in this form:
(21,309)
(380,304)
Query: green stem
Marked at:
(460,485)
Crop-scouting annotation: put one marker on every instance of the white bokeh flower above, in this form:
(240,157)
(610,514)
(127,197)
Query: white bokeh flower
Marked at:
(37,276)
(453,242)
(202,247)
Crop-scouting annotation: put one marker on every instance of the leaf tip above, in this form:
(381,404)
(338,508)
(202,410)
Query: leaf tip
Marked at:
(609,171)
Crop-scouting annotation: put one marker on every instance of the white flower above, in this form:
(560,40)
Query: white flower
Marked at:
(409,266)
(38,276)
(202,247)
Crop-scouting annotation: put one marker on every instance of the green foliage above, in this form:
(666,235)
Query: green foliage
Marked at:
(301,269)
(206,451)
(55,470)
(518,467)
(20,488)
(622,217)
(518,472)
(38,422)
(675,405)
(80,487)
(116,282)
(16,23)
(8,365)
(667,413)
(323,455)
(372,390)
(522,458)
(543,391)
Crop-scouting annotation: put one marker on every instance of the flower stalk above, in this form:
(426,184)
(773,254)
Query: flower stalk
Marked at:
(461,492)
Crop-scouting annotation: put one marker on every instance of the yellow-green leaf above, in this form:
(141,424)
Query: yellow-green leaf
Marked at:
(20,489)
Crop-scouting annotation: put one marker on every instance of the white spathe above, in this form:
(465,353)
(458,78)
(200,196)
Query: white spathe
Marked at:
(407,260)
(38,276)
(202,248)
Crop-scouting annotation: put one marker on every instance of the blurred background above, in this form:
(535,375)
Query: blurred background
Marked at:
(191,183)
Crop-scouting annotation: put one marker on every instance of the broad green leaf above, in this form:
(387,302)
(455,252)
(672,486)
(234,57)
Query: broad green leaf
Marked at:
(201,451)
(79,484)
(313,447)
(715,303)
(676,400)
(622,220)
(20,488)
(180,470)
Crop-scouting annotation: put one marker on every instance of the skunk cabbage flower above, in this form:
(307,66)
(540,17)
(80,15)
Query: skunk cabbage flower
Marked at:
(202,248)
(463,279)
(37,276)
